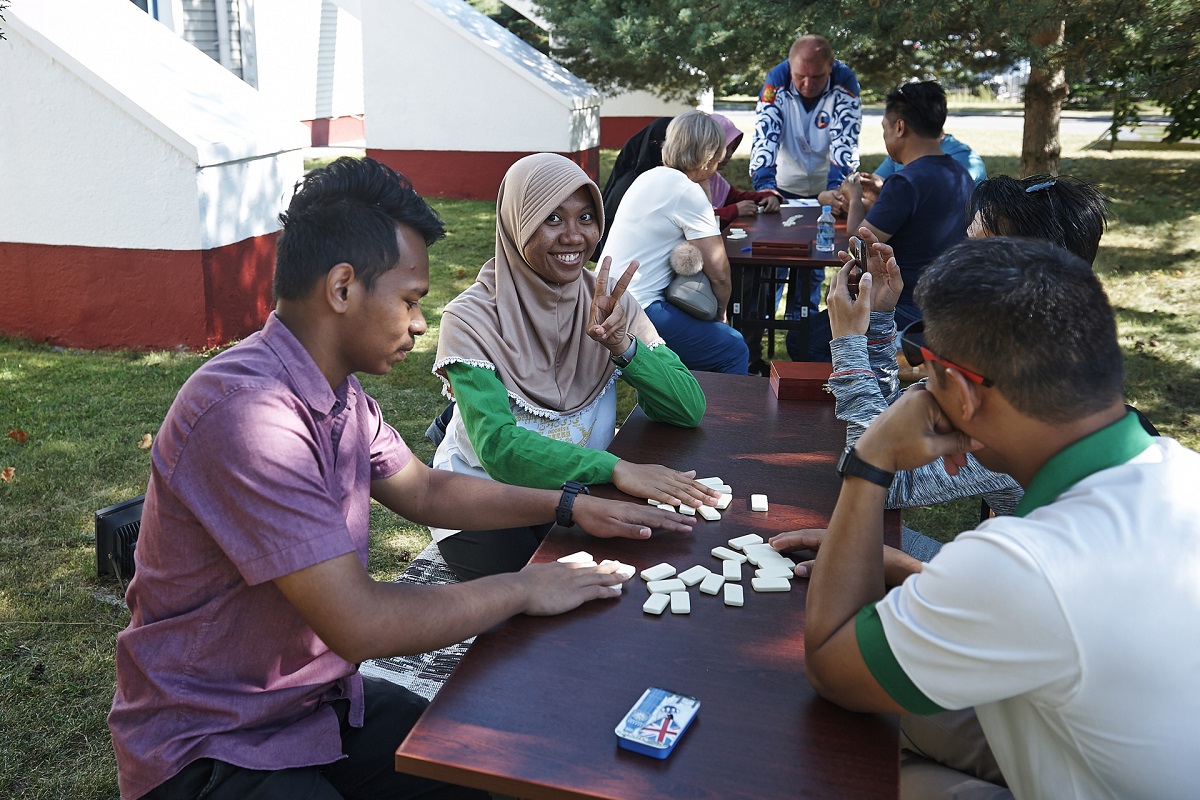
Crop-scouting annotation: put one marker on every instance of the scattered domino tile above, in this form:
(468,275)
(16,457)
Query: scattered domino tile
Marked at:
(709,513)
(771,584)
(686,510)
(658,572)
(712,583)
(681,603)
(738,542)
(665,506)
(725,554)
(657,603)
(725,488)
(694,575)
(712,482)
(666,586)
(731,570)
(733,594)
(758,502)
(582,557)
(622,571)
(723,502)
(757,553)
(651,501)
(774,571)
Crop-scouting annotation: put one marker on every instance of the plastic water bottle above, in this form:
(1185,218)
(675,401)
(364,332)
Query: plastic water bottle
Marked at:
(825,230)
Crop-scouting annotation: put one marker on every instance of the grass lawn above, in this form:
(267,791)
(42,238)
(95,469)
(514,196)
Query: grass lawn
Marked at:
(85,413)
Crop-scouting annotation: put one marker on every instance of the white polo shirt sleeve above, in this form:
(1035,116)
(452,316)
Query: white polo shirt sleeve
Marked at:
(981,623)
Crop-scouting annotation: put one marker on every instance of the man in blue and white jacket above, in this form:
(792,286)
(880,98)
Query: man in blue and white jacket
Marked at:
(806,125)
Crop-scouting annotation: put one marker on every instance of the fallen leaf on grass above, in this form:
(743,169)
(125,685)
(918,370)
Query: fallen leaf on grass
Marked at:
(19,436)
(145,442)
(7,474)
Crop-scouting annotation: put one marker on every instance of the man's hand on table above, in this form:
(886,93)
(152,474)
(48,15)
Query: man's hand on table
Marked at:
(835,199)
(555,588)
(747,208)
(656,482)
(897,565)
(608,519)
(770,203)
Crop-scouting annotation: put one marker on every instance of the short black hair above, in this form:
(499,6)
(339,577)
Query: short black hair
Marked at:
(347,211)
(1032,317)
(922,106)
(1069,212)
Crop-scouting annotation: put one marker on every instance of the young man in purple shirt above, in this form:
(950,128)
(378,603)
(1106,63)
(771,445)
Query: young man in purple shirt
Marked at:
(251,605)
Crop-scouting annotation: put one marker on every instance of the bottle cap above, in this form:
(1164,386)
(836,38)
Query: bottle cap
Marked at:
(826,209)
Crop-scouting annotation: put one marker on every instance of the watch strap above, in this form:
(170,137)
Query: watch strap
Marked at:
(851,464)
(562,514)
(627,356)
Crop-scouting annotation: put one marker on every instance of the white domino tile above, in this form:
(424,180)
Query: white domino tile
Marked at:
(681,603)
(658,572)
(738,542)
(694,575)
(709,513)
(711,482)
(582,557)
(667,586)
(770,584)
(687,510)
(712,583)
(723,502)
(758,502)
(657,603)
(774,571)
(725,554)
(734,594)
(731,570)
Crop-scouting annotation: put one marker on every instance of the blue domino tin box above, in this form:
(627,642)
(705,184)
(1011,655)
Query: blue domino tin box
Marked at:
(656,721)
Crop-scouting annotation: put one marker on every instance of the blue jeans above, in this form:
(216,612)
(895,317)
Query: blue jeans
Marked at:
(703,346)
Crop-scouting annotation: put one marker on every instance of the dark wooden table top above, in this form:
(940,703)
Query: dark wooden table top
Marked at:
(531,709)
(771,227)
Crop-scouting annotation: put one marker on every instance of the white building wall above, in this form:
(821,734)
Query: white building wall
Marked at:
(442,76)
(310,56)
(117,146)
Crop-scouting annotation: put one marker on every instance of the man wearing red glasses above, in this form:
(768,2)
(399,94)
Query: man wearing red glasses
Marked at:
(1071,628)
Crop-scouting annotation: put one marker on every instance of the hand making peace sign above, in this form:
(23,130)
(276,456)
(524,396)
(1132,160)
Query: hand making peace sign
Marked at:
(607,322)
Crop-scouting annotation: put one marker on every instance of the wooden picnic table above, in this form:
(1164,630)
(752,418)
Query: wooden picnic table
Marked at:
(531,710)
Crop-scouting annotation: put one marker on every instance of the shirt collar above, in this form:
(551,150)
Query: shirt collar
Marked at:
(1111,445)
(307,378)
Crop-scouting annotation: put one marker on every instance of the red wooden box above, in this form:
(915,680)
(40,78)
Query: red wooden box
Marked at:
(801,380)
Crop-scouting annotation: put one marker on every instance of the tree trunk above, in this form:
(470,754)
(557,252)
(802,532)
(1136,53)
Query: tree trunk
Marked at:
(1044,97)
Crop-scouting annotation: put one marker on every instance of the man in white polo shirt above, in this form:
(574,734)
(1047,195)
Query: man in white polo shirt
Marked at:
(1073,627)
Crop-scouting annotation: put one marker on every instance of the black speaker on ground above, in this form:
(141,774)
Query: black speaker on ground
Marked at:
(117,529)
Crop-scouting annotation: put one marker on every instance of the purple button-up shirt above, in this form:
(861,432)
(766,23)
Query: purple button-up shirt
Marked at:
(258,471)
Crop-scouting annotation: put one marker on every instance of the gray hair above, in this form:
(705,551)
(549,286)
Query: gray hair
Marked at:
(693,139)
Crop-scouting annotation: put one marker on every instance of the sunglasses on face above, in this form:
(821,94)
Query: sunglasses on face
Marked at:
(912,342)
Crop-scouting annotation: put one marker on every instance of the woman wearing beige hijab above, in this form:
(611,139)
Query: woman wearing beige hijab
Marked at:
(531,353)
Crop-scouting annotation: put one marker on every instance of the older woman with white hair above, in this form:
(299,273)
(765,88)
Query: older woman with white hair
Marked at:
(668,206)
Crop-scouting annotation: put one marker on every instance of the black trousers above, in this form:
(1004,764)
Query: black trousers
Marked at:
(474,554)
(368,771)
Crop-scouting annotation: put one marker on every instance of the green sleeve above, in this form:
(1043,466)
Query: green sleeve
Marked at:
(667,391)
(512,454)
(877,653)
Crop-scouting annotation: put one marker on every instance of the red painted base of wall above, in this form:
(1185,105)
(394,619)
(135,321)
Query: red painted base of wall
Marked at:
(465,175)
(335,130)
(104,297)
(615,131)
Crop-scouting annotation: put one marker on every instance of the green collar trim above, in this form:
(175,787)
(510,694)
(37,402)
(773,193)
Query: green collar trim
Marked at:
(1107,447)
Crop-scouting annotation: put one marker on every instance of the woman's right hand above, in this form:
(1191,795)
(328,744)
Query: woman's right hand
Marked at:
(656,482)
(747,208)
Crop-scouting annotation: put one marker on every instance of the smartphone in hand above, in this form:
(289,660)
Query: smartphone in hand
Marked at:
(858,251)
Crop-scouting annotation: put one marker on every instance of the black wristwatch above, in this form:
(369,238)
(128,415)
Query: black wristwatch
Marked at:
(851,464)
(623,360)
(562,514)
